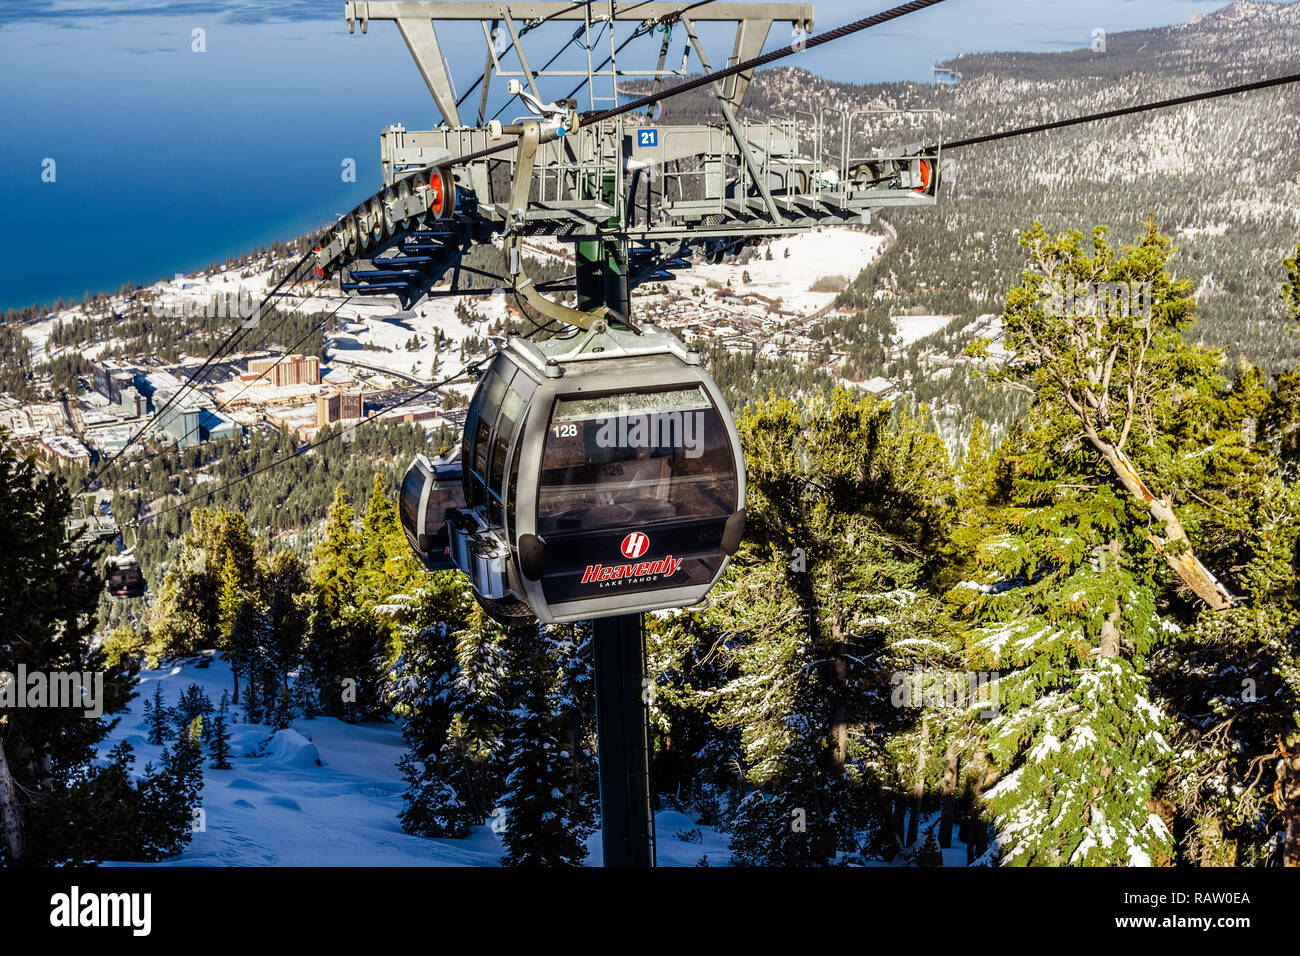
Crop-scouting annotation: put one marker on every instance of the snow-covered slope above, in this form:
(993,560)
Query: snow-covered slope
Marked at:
(328,793)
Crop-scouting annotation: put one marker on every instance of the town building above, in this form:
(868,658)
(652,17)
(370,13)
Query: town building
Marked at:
(878,387)
(429,415)
(64,449)
(111,378)
(132,403)
(214,426)
(334,406)
(179,422)
(290,370)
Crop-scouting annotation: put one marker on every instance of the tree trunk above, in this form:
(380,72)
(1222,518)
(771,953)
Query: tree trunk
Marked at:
(979,827)
(11,813)
(1110,634)
(1289,784)
(835,760)
(918,789)
(840,714)
(1180,558)
(980,839)
(949,796)
(900,818)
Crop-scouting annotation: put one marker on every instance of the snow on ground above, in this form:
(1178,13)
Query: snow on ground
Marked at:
(383,326)
(38,337)
(953,856)
(813,255)
(38,334)
(328,793)
(909,328)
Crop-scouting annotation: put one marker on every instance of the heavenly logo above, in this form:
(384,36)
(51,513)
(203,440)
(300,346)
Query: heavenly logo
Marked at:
(653,430)
(626,572)
(75,909)
(635,545)
(70,689)
(1112,300)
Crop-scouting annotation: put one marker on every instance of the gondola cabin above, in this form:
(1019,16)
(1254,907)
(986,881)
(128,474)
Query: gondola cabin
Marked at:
(123,577)
(432,492)
(600,474)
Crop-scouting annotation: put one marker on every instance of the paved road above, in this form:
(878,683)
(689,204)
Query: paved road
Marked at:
(336,358)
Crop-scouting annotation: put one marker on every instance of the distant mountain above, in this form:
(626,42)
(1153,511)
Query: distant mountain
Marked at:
(1222,177)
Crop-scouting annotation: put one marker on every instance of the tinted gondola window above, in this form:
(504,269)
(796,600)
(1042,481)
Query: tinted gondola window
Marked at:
(630,459)
(635,493)
(512,408)
(473,489)
(409,502)
(445,497)
(478,433)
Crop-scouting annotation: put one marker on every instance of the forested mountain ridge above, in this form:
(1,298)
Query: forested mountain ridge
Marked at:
(1221,177)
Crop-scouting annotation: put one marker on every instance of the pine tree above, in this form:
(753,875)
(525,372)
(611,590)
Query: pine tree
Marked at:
(576,716)
(422,692)
(1105,375)
(254,696)
(337,558)
(348,649)
(542,828)
(930,854)
(219,737)
(97,817)
(386,565)
(193,703)
(284,581)
(843,498)
(158,717)
(1066,624)
(1232,676)
(170,795)
(471,761)
(187,615)
(237,621)
(1064,586)
(47,621)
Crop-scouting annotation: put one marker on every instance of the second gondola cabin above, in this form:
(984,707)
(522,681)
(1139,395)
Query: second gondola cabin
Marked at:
(123,577)
(600,474)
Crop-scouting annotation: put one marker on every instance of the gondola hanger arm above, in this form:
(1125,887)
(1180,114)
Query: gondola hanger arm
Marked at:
(529,135)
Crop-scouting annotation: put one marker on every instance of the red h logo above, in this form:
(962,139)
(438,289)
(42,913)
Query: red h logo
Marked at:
(635,545)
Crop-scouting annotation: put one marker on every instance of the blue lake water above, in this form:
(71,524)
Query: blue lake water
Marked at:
(166,159)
